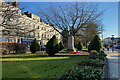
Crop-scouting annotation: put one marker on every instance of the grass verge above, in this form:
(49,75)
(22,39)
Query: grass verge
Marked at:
(50,67)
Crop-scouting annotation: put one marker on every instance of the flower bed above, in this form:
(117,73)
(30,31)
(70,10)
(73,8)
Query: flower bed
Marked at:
(90,69)
(70,52)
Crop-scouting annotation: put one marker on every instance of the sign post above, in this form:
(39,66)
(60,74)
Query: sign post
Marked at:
(112,38)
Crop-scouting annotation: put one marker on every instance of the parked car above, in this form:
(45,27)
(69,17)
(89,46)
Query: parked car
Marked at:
(42,48)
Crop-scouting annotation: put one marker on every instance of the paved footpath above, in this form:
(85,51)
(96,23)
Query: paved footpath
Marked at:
(112,68)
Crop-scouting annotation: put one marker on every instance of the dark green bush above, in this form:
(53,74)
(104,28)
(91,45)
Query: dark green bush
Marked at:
(61,45)
(93,54)
(93,62)
(101,55)
(95,44)
(52,46)
(79,46)
(87,73)
(35,46)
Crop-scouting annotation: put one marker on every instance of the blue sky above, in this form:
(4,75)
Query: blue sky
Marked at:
(110,16)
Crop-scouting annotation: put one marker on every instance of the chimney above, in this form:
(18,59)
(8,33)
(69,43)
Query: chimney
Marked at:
(41,20)
(27,13)
(15,4)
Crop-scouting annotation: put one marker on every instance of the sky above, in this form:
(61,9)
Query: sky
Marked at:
(109,18)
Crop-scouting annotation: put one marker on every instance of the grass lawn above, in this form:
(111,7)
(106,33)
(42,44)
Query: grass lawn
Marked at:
(35,66)
(84,48)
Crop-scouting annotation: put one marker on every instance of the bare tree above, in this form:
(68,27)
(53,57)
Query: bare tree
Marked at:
(90,31)
(11,20)
(72,17)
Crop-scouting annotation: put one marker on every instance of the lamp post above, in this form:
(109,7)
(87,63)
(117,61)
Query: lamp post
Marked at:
(112,38)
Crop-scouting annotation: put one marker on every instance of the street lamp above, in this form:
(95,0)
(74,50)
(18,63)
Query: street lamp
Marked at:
(112,38)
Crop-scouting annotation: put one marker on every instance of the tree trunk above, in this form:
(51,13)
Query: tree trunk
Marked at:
(86,44)
(71,43)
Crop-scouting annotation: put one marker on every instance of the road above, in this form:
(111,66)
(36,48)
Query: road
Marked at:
(112,68)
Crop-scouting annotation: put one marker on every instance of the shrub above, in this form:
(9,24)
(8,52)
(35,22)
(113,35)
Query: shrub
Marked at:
(101,55)
(7,45)
(52,46)
(93,54)
(14,47)
(79,46)
(19,47)
(61,45)
(95,44)
(86,73)
(93,62)
(35,46)
(3,51)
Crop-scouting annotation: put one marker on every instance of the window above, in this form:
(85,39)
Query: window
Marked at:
(38,35)
(38,27)
(42,35)
(45,29)
(45,35)
(38,20)
(34,34)
(42,28)
(29,34)
(33,26)
(48,36)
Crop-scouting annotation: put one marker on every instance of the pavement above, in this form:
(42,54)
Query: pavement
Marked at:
(112,67)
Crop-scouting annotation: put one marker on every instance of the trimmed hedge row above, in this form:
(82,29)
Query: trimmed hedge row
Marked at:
(86,70)
(87,73)
(13,47)
(94,55)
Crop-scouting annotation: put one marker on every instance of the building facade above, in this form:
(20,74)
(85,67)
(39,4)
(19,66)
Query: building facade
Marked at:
(31,22)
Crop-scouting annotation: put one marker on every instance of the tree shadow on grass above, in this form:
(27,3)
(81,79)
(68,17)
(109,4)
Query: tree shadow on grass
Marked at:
(36,56)
(39,58)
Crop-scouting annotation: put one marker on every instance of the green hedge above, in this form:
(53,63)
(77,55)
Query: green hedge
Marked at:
(93,54)
(8,47)
(86,70)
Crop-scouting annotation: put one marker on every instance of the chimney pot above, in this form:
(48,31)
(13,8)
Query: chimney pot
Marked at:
(15,4)
(41,20)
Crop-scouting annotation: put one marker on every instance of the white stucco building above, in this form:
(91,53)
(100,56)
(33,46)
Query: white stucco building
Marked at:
(42,32)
